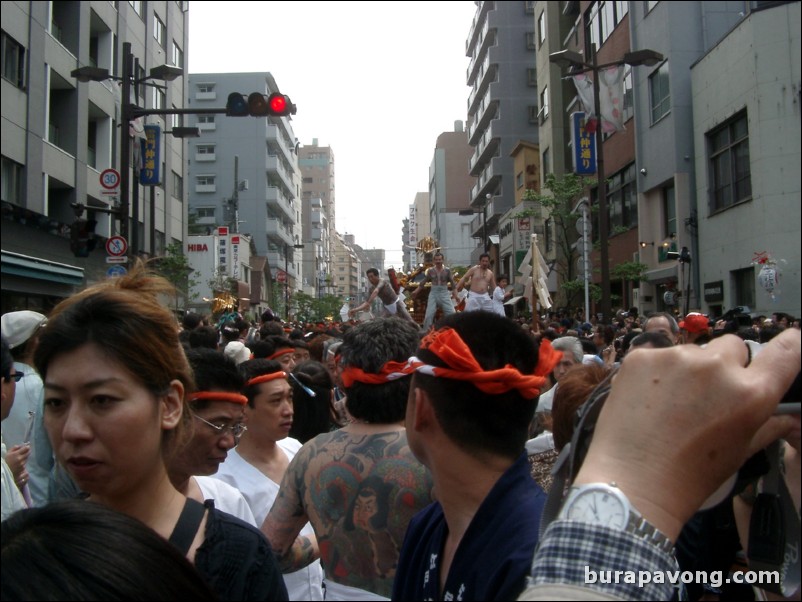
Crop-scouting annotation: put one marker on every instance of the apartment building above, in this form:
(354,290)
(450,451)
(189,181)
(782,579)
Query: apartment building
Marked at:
(319,216)
(244,175)
(59,135)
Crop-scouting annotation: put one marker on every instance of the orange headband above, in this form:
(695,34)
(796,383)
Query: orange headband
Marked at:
(280,352)
(218,396)
(448,346)
(389,372)
(265,378)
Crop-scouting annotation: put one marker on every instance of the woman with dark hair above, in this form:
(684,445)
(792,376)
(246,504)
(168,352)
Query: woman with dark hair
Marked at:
(115,380)
(77,550)
(313,396)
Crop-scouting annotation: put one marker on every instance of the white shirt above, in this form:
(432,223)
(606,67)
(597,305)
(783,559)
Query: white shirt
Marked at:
(226,498)
(260,492)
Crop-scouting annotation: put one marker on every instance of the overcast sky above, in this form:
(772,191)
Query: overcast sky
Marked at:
(375,81)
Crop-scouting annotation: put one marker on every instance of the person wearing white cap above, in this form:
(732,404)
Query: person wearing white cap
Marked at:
(23,432)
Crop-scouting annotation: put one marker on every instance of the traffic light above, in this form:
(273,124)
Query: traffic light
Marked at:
(82,237)
(259,105)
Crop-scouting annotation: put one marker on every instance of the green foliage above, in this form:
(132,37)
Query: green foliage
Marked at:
(311,309)
(557,204)
(630,270)
(576,289)
(174,267)
(221,283)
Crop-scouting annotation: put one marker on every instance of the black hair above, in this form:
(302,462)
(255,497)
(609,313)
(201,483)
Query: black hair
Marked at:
(369,346)
(191,320)
(266,347)
(373,271)
(657,339)
(7,359)
(481,422)
(81,550)
(256,367)
(376,486)
(312,415)
(203,336)
(213,372)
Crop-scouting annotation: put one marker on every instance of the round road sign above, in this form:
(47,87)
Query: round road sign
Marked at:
(110,179)
(116,246)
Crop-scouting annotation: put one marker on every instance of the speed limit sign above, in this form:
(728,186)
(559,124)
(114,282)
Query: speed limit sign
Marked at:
(110,180)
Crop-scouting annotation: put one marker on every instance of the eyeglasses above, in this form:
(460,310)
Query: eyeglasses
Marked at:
(236,429)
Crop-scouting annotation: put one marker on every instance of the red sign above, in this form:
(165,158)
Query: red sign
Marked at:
(110,179)
(235,240)
(281,276)
(222,231)
(116,246)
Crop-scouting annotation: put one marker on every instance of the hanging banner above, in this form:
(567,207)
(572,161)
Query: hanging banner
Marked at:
(151,153)
(584,146)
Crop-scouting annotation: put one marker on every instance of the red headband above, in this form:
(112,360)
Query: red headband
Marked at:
(256,380)
(218,396)
(449,347)
(280,352)
(389,372)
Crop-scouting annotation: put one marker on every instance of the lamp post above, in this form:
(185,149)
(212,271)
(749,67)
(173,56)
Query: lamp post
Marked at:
(287,278)
(571,58)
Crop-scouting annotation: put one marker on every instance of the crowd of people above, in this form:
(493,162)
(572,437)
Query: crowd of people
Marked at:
(245,460)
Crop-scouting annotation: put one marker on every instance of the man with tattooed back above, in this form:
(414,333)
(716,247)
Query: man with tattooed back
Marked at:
(359,486)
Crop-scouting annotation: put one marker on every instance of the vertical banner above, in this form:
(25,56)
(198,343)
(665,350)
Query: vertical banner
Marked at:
(235,256)
(151,156)
(584,146)
(222,249)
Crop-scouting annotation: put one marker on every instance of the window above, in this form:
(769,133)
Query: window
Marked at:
(178,186)
(205,212)
(531,76)
(622,199)
(308,180)
(546,162)
(205,118)
(159,98)
(541,28)
(204,149)
(532,110)
(544,104)
(176,121)
(11,181)
(206,180)
(530,40)
(158,30)
(13,61)
(601,19)
(730,173)
(660,93)
(629,104)
(202,88)
(669,212)
(137,6)
(530,7)
(178,55)
(743,286)
(547,232)
(519,180)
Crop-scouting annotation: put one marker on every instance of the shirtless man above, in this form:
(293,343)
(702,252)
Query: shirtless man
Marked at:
(360,485)
(393,304)
(483,282)
(440,277)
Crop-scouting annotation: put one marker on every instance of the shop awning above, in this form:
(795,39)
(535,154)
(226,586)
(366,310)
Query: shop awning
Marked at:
(15,264)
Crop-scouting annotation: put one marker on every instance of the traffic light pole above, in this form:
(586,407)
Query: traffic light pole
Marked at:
(125,141)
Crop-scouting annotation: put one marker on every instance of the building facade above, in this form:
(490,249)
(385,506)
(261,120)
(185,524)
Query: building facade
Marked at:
(244,174)
(502,107)
(59,135)
(319,216)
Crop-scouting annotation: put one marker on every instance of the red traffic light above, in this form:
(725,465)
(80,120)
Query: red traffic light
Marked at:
(280,105)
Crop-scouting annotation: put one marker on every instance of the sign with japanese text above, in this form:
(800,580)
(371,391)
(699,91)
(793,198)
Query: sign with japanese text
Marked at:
(584,146)
(151,152)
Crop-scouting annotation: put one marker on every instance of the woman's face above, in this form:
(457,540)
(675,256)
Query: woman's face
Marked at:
(106,428)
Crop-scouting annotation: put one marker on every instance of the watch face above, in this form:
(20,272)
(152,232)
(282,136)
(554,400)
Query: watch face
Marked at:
(598,507)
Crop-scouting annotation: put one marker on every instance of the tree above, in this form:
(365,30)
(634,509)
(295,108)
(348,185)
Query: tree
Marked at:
(629,271)
(559,204)
(311,309)
(174,267)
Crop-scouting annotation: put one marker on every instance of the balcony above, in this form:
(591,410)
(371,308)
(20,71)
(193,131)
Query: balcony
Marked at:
(279,203)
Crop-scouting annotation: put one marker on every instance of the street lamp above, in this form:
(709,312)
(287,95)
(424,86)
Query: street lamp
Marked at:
(127,112)
(575,61)
(287,278)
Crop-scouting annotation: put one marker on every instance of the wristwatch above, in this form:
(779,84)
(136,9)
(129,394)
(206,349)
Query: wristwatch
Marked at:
(606,505)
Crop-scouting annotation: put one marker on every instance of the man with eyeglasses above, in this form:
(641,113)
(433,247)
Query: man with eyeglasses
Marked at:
(259,462)
(216,408)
